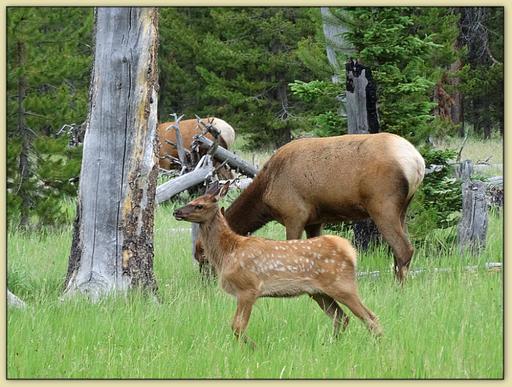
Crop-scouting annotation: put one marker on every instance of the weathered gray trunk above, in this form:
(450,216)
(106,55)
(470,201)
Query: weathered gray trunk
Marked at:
(472,230)
(112,246)
(14,301)
(24,165)
(357,117)
(334,41)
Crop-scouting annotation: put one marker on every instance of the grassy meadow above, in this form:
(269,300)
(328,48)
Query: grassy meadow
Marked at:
(441,324)
(444,323)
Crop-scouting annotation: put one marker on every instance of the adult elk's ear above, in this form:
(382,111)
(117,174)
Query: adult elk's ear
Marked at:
(222,211)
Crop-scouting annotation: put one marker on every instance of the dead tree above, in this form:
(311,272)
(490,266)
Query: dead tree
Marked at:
(203,170)
(14,301)
(472,229)
(362,117)
(112,247)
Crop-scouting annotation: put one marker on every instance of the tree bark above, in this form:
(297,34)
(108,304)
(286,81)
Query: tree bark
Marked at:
(14,301)
(24,164)
(472,229)
(112,247)
(173,187)
(232,159)
(362,117)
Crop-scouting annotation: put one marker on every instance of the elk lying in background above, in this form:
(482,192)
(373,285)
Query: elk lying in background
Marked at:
(188,129)
(312,181)
(252,267)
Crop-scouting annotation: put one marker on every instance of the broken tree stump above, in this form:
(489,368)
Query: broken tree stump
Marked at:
(366,233)
(472,228)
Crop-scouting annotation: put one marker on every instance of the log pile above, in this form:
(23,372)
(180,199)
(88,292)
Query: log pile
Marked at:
(194,173)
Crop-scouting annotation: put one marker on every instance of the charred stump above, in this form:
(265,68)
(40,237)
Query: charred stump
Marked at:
(362,117)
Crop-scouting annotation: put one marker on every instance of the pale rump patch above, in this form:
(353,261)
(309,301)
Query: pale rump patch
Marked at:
(410,160)
(226,131)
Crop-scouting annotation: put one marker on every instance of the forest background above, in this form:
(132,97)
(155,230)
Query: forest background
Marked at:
(438,70)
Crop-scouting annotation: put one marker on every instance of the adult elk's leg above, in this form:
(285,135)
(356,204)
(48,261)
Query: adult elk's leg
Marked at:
(313,230)
(295,224)
(333,310)
(389,220)
(243,313)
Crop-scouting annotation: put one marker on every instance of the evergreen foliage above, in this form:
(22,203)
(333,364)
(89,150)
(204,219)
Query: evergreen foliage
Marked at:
(48,69)
(482,32)
(264,70)
(406,49)
(236,64)
(438,202)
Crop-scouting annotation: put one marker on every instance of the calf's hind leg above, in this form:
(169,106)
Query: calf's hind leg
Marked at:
(333,310)
(351,299)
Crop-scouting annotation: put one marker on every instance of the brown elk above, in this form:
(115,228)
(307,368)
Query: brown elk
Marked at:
(312,181)
(252,267)
(188,129)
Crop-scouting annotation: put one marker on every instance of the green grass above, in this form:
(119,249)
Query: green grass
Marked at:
(439,325)
(478,150)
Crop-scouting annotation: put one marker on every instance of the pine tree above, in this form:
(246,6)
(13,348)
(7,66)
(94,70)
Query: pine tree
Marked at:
(237,64)
(48,71)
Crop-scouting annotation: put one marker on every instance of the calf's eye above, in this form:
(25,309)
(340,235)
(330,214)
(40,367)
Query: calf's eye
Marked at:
(199,206)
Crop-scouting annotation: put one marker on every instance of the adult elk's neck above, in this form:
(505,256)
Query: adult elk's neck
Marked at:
(248,213)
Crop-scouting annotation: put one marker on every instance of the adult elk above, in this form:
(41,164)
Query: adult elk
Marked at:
(312,181)
(188,129)
(252,267)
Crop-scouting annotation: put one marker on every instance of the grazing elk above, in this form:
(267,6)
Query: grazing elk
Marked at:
(252,267)
(312,181)
(188,129)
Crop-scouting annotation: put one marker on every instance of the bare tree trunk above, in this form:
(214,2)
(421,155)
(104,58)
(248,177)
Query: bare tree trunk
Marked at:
(24,164)
(360,101)
(334,42)
(112,248)
(14,301)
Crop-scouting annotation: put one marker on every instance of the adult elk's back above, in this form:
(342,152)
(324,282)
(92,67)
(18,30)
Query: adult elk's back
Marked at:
(312,181)
(188,129)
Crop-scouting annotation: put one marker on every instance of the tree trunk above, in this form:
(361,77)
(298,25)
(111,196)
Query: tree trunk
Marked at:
(335,42)
(24,164)
(360,101)
(362,117)
(14,301)
(112,247)
(472,229)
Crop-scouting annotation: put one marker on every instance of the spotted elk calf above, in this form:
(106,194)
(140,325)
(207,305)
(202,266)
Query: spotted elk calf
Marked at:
(252,267)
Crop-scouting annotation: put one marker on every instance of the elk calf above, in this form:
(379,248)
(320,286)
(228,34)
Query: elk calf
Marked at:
(252,267)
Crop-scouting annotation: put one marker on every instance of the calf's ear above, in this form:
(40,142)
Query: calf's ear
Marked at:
(223,190)
(213,189)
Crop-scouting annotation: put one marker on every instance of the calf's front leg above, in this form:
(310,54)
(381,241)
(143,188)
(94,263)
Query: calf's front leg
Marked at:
(245,301)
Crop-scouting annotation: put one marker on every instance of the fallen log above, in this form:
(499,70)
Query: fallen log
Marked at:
(173,187)
(222,154)
(14,301)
